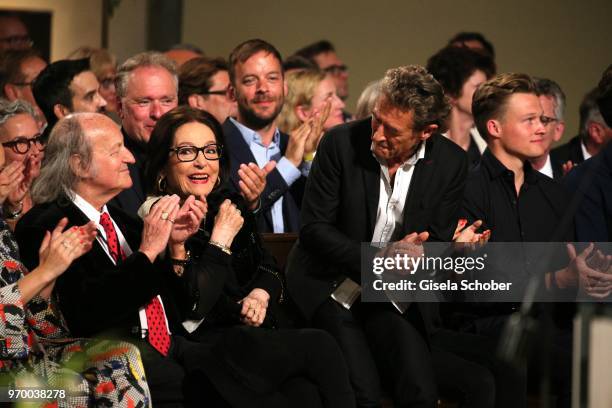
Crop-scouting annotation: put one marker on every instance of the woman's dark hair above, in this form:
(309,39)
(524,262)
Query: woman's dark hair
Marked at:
(162,138)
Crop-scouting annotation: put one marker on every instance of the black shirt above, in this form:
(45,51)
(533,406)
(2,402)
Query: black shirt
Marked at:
(536,214)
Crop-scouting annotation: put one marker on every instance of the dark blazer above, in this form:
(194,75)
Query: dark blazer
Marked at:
(131,199)
(94,295)
(341,201)
(591,183)
(571,151)
(276,187)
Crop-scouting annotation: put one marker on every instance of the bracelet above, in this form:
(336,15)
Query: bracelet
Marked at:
(222,247)
(309,157)
(181,262)
(12,215)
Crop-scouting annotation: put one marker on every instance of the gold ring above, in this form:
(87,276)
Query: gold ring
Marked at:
(164,215)
(65,244)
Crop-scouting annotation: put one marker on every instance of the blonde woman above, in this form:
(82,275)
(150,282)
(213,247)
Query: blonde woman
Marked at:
(312,100)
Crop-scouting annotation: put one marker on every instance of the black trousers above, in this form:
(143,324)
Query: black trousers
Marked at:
(559,347)
(167,375)
(275,368)
(382,349)
(467,370)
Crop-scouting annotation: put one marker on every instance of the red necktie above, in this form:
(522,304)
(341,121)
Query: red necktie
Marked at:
(158,330)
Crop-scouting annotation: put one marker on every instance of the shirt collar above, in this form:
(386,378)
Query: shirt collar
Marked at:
(89,210)
(497,169)
(250,136)
(412,160)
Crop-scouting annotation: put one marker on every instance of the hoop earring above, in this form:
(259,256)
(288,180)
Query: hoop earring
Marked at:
(218,182)
(162,184)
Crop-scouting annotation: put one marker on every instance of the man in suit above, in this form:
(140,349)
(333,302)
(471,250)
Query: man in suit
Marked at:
(552,100)
(257,85)
(594,135)
(591,182)
(147,87)
(378,180)
(116,289)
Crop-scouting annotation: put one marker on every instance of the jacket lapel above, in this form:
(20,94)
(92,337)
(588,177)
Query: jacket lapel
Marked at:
(423,173)
(76,217)
(370,173)
(236,144)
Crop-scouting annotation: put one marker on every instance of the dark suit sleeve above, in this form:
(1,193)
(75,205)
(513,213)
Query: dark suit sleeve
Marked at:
(93,297)
(444,223)
(320,208)
(205,278)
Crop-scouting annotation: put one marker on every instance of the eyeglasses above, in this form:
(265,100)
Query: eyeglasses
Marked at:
(106,83)
(22,145)
(211,151)
(18,40)
(547,120)
(23,84)
(336,69)
(219,92)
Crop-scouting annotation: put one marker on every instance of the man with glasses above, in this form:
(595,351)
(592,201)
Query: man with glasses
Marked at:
(203,84)
(552,100)
(13,33)
(23,150)
(18,70)
(323,55)
(67,86)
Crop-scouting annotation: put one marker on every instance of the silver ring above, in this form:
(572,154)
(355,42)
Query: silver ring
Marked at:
(65,244)
(170,219)
(164,215)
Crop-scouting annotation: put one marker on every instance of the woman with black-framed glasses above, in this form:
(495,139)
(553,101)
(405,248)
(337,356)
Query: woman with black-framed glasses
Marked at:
(24,150)
(236,282)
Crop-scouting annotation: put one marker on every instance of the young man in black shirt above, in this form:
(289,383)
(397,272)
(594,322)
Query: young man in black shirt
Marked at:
(518,204)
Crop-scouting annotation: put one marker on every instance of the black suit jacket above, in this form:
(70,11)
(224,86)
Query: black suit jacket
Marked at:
(131,199)
(341,201)
(571,151)
(276,186)
(95,295)
(591,183)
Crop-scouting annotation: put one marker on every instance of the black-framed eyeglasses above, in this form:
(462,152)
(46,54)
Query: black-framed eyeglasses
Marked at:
(547,120)
(18,40)
(219,92)
(336,69)
(211,151)
(23,83)
(22,145)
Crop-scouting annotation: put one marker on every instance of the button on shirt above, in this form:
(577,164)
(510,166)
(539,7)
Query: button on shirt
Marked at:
(391,199)
(390,213)
(94,215)
(533,215)
(263,154)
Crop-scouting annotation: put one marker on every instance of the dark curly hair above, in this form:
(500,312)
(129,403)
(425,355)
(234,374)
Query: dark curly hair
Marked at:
(412,88)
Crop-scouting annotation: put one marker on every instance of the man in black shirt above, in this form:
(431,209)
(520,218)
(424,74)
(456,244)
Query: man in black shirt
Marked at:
(518,203)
